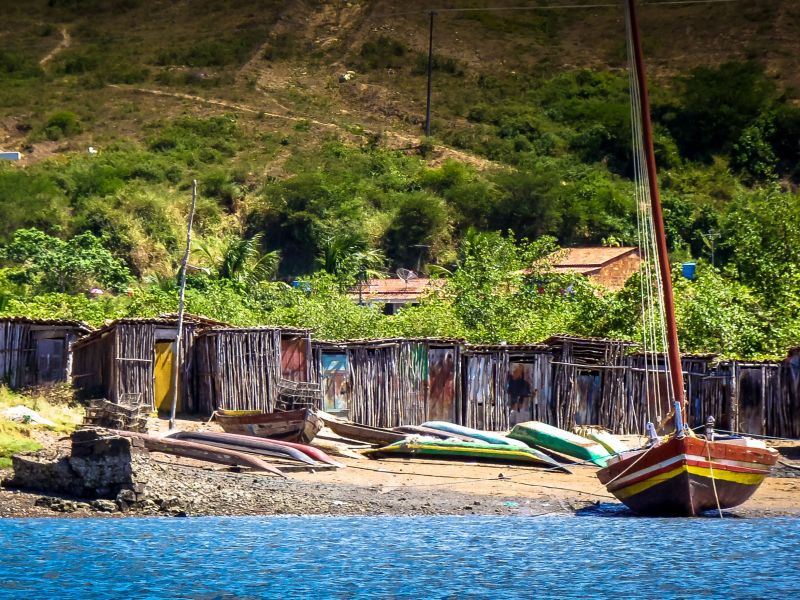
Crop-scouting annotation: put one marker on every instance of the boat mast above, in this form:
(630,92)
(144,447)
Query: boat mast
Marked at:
(676,370)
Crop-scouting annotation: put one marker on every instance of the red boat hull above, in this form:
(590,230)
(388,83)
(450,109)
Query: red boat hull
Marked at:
(677,478)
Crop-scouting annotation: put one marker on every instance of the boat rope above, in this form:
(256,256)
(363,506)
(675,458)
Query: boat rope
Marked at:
(629,467)
(653,326)
(757,436)
(713,479)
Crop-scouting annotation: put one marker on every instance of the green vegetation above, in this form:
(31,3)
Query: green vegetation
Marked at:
(529,155)
(17,436)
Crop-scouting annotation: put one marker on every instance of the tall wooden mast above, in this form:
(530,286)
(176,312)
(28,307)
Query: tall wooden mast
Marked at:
(676,370)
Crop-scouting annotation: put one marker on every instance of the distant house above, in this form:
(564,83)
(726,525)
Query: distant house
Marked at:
(36,351)
(394,292)
(608,267)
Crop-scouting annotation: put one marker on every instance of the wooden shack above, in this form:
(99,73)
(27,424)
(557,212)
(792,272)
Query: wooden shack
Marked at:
(506,384)
(129,361)
(255,368)
(36,351)
(589,383)
(786,415)
(391,382)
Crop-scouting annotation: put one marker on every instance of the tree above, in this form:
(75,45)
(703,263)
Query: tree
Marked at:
(49,264)
(240,260)
(420,220)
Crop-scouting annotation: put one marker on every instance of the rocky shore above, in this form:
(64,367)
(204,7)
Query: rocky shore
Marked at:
(116,477)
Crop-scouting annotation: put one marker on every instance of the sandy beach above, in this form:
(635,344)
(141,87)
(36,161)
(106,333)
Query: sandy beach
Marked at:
(389,486)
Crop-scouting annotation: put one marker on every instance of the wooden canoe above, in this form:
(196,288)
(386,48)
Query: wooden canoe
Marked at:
(292,425)
(536,433)
(484,436)
(249,444)
(434,433)
(603,437)
(361,433)
(459,449)
(198,451)
(245,442)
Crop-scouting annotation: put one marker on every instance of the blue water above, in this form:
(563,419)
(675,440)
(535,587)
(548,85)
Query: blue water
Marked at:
(399,557)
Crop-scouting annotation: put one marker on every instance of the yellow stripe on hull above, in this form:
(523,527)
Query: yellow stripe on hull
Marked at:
(718,474)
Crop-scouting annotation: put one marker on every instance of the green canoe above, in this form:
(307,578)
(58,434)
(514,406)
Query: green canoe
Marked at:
(458,448)
(535,433)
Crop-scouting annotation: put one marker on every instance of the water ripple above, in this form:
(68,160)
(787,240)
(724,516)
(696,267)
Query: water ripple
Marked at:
(397,558)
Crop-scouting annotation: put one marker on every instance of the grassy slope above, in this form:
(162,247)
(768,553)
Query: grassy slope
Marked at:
(149,42)
(21,437)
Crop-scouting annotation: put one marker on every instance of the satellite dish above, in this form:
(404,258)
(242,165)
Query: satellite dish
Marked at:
(406,274)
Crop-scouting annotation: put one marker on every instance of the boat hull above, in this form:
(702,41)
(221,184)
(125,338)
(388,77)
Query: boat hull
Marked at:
(479,450)
(678,479)
(293,426)
(364,433)
(535,433)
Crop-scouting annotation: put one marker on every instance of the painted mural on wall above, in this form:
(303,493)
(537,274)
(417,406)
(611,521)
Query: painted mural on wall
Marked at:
(441,384)
(335,385)
(294,358)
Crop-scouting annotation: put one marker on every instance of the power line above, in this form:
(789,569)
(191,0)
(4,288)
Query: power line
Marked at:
(498,8)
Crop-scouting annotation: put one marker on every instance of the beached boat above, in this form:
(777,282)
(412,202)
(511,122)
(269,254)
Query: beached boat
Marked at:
(361,433)
(682,474)
(485,436)
(262,446)
(536,433)
(687,475)
(292,425)
(248,443)
(602,436)
(434,433)
(459,449)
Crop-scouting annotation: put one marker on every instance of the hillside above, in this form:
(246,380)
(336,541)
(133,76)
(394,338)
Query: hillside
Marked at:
(307,171)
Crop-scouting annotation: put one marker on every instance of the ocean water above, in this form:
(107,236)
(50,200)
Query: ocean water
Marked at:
(399,557)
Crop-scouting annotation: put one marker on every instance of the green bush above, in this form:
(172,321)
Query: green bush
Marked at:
(62,124)
(383,53)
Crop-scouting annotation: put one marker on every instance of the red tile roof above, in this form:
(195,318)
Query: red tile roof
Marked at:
(396,290)
(581,259)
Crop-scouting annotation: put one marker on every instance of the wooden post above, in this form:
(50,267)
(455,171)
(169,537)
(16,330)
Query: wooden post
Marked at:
(181,294)
(430,76)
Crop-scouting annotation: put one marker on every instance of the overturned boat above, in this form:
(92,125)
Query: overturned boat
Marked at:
(536,433)
(292,425)
(460,449)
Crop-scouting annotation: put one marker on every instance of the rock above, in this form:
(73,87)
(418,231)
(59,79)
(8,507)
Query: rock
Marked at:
(103,505)
(128,496)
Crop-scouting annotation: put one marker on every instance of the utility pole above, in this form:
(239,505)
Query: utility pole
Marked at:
(181,295)
(711,236)
(430,75)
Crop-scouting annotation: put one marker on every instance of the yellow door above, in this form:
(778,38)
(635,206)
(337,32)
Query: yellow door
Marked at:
(162,375)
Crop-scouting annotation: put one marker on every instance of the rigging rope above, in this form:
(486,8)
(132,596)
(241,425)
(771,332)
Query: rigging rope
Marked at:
(654,333)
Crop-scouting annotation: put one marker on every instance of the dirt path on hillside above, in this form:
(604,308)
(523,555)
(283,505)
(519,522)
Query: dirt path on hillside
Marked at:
(65,42)
(390,139)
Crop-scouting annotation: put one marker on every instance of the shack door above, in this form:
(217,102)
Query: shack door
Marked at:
(50,360)
(162,376)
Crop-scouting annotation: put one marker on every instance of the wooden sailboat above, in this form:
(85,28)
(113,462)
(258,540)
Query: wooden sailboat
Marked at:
(683,474)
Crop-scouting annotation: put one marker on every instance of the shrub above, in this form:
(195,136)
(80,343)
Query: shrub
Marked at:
(62,124)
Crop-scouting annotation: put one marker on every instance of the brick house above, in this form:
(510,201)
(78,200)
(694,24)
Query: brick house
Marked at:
(608,267)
